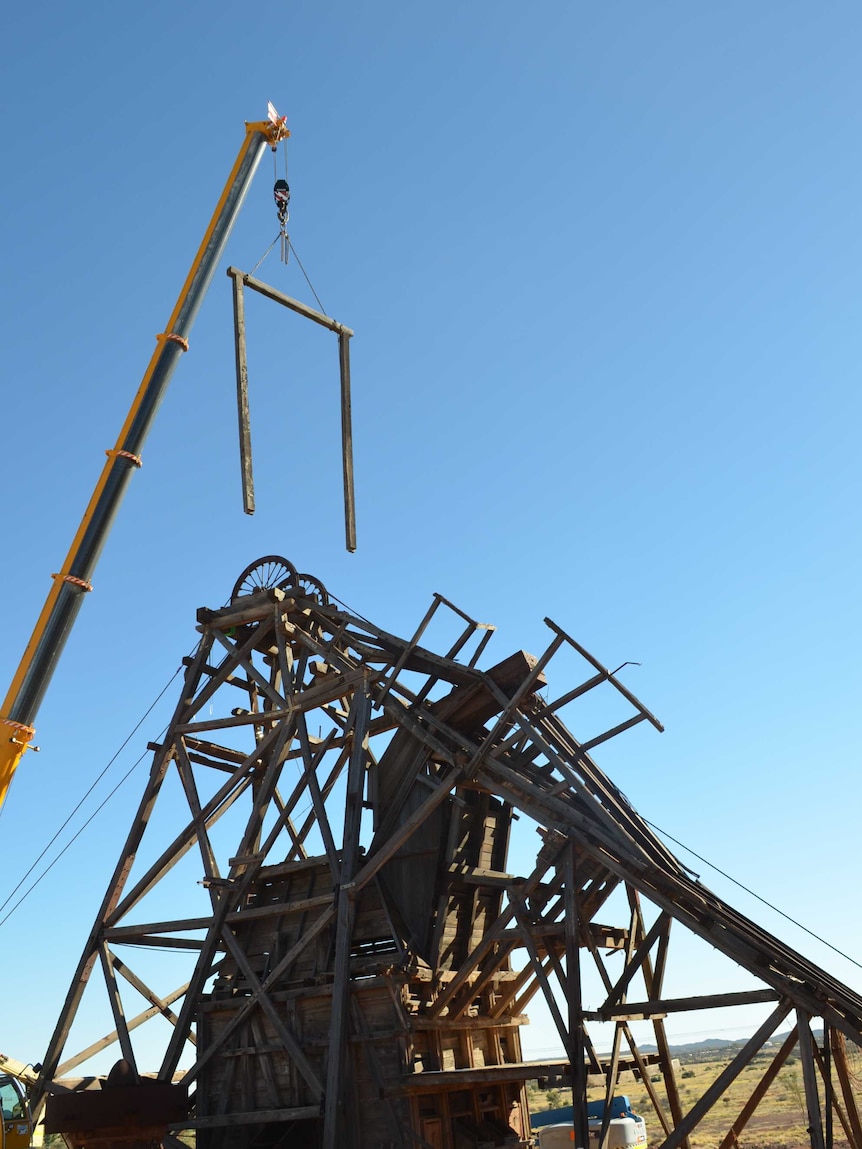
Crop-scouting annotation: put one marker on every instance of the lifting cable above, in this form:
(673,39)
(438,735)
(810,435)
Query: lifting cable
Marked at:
(307,280)
(83,799)
(747,890)
(80,803)
(281,195)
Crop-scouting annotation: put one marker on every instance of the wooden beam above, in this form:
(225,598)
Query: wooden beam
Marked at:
(486,946)
(114,892)
(144,990)
(731,1139)
(116,1001)
(635,962)
(387,849)
(109,1038)
(448,1079)
(643,1069)
(576,1034)
(196,694)
(727,1075)
(250,1003)
(831,1102)
(539,971)
(347,440)
(286,1035)
(636,1010)
(288,302)
(842,1069)
(242,395)
(310,767)
(809,1080)
(258,1117)
(336,1128)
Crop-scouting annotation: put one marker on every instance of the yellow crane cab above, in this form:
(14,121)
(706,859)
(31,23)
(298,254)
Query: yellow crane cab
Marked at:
(16,1126)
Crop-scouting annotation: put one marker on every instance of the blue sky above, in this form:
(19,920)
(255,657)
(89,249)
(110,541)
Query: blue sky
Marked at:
(602,262)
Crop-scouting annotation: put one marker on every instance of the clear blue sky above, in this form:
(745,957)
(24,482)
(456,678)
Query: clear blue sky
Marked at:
(603,263)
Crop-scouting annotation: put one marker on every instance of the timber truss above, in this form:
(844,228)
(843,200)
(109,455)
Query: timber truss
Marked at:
(359,959)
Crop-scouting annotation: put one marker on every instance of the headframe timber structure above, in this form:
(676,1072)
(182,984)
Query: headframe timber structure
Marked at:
(358,957)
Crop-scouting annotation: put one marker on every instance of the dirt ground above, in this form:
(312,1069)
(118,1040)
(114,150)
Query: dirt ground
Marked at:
(780,1121)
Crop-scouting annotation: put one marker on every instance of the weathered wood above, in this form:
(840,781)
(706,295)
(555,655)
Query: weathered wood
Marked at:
(572,986)
(478,1021)
(839,1059)
(661,926)
(729,1074)
(259,1117)
(385,851)
(114,892)
(335,1125)
(144,990)
(610,1088)
(289,1040)
(310,768)
(623,690)
(327,949)
(634,964)
(635,1010)
(215,932)
(250,1003)
(184,769)
(759,1092)
(539,971)
(347,440)
(366,1037)
(433,1081)
(287,301)
(121,1029)
(212,750)
(809,1080)
(110,1038)
(242,392)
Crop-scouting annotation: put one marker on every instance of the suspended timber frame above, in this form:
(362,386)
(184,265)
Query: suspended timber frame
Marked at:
(239,279)
(360,958)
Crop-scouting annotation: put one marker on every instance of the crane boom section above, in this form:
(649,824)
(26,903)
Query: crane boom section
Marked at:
(72,582)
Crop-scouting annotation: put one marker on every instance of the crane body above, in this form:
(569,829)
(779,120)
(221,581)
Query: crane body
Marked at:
(72,582)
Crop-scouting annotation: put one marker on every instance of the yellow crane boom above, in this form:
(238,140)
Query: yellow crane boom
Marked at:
(72,581)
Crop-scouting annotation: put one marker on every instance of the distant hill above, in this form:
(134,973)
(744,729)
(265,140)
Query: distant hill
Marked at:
(708,1043)
(713,1043)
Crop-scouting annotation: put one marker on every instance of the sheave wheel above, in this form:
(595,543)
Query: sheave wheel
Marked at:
(264,574)
(311,587)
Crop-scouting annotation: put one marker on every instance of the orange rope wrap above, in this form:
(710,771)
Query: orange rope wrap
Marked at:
(21,727)
(170,337)
(136,459)
(82,583)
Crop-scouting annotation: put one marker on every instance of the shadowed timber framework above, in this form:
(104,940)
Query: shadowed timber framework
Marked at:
(358,958)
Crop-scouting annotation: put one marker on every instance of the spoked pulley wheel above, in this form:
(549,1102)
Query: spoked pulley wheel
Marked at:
(310,587)
(264,574)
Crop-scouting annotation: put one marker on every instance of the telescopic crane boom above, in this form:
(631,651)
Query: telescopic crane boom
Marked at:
(72,582)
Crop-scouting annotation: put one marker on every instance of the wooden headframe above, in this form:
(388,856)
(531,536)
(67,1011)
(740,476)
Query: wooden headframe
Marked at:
(359,956)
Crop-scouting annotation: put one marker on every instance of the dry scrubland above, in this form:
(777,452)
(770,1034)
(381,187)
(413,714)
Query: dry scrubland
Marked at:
(779,1123)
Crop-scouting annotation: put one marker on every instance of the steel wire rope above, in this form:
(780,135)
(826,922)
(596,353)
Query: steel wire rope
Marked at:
(301,268)
(98,809)
(71,841)
(747,890)
(81,802)
(84,798)
(305,273)
(265,254)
